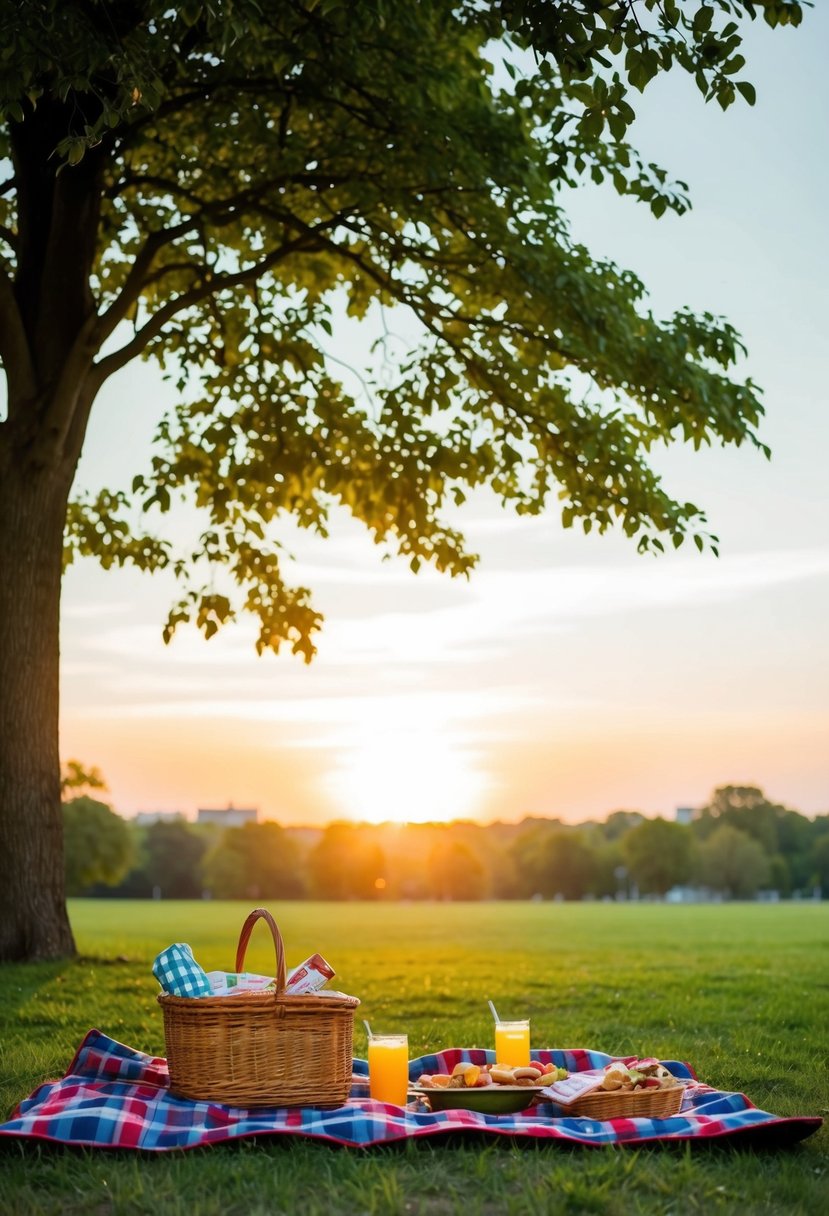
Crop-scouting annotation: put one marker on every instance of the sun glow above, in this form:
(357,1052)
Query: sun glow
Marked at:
(407,776)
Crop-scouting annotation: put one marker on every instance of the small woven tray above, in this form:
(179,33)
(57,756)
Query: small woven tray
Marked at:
(628,1104)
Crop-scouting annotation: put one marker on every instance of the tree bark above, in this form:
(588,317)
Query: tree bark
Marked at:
(33,919)
(47,344)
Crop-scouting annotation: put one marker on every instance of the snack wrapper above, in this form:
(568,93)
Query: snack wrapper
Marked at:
(575,1086)
(229,983)
(309,976)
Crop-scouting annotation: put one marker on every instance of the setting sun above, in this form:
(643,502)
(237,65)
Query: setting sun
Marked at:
(406,775)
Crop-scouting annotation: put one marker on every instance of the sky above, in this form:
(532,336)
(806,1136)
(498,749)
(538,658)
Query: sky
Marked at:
(569,677)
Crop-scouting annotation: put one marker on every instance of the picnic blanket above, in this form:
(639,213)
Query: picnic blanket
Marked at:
(113,1096)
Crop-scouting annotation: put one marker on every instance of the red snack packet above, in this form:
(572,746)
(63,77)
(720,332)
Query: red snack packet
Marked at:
(309,976)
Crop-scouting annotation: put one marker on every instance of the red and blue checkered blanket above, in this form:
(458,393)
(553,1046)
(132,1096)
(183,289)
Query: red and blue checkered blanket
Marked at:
(115,1097)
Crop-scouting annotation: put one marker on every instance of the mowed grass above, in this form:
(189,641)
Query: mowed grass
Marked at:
(739,991)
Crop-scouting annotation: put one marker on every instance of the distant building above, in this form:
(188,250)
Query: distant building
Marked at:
(229,816)
(144,818)
(685,814)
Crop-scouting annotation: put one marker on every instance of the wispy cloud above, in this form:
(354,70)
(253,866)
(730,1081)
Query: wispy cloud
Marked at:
(497,619)
(505,604)
(94,611)
(405,711)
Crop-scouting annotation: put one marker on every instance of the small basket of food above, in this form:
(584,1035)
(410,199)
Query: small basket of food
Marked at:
(260,1047)
(640,1089)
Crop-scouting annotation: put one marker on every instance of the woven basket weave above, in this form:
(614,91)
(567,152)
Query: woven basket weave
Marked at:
(628,1104)
(260,1048)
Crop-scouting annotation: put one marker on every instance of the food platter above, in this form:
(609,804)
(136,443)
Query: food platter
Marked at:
(486,1100)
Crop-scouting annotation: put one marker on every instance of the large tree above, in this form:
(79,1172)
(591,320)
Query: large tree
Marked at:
(174,852)
(733,862)
(257,861)
(203,183)
(99,845)
(659,855)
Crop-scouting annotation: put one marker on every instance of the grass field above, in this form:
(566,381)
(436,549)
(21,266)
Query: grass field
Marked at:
(739,991)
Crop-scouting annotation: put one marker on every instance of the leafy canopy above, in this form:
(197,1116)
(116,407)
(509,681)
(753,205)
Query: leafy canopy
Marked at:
(258,167)
(658,855)
(98,844)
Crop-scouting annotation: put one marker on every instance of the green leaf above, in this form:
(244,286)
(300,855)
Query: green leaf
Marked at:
(702,20)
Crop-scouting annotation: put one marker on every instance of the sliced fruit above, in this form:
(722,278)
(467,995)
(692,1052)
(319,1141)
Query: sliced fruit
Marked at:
(441,1080)
(549,1078)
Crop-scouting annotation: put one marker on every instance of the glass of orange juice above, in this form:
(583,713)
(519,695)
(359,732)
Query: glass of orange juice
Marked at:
(512,1043)
(388,1067)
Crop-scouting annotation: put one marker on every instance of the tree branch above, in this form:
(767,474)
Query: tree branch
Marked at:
(211,287)
(137,277)
(197,268)
(218,212)
(432,317)
(242,198)
(442,313)
(198,93)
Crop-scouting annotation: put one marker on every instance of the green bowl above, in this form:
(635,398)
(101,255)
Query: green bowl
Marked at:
(488,1100)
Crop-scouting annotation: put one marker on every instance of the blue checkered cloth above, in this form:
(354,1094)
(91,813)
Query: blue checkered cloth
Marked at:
(179,974)
(113,1096)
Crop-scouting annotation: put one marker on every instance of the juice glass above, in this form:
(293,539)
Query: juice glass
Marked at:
(388,1067)
(512,1043)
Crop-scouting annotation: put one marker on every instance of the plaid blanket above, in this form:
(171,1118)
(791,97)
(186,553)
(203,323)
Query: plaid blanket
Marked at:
(115,1097)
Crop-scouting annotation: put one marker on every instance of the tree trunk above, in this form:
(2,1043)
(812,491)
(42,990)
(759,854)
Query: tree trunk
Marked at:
(47,315)
(33,918)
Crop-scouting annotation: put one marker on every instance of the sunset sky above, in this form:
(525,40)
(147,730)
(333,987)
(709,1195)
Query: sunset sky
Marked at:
(570,677)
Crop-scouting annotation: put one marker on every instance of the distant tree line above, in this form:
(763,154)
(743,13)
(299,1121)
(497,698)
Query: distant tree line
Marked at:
(736,846)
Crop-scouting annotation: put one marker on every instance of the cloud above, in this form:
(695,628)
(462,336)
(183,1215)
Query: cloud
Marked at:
(473,652)
(94,611)
(506,605)
(405,711)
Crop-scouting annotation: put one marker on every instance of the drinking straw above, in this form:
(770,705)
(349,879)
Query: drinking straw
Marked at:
(494,1011)
(368,1029)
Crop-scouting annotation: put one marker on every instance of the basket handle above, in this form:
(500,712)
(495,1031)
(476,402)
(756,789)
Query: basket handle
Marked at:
(279,945)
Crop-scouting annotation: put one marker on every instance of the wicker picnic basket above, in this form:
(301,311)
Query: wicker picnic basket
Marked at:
(260,1048)
(628,1104)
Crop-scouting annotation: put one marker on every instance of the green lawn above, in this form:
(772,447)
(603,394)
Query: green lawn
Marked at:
(740,991)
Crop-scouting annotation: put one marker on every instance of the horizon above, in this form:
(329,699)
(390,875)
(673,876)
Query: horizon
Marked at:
(598,818)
